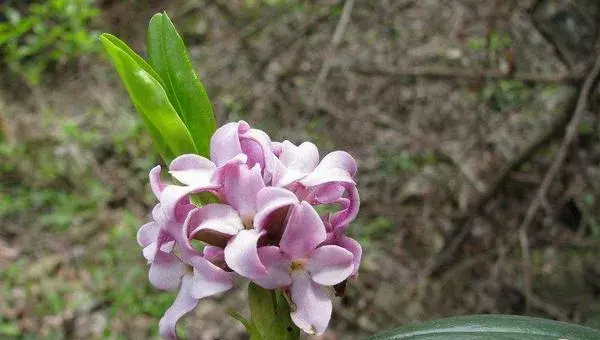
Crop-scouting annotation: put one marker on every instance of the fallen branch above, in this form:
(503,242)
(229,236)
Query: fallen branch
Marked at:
(447,72)
(570,133)
(439,264)
(340,29)
(320,17)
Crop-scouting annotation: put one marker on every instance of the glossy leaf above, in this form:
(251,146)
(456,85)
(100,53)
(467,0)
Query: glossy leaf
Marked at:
(148,96)
(168,56)
(491,327)
(270,315)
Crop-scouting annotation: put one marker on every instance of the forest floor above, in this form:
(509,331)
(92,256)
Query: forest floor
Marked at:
(455,110)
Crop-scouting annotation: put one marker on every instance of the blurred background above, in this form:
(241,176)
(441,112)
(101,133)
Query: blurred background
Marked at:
(455,110)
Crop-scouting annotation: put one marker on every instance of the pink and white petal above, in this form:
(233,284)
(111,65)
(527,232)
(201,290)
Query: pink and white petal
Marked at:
(172,195)
(240,189)
(158,214)
(148,233)
(213,254)
(257,145)
(341,219)
(327,193)
(269,200)
(304,231)
(149,251)
(303,158)
(192,170)
(225,143)
(183,304)
(354,247)
(327,175)
(214,224)
(182,209)
(313,307)
(277,264)
(339,159)
(241,254)
(166,271)
(329,265)
(208,279)
(283,177)
(155,183)
(223,170)
(277,147)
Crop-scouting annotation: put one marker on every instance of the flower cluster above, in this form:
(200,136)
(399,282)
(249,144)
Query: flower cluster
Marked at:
(264,228)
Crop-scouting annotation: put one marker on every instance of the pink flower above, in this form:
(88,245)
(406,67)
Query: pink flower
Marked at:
(304,267)
(264,226)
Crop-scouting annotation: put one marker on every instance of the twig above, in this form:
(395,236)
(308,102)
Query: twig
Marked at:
(570,133)
(321,16)
(438,265)
(539,303)
(447,72)
(340,29)
(431,144)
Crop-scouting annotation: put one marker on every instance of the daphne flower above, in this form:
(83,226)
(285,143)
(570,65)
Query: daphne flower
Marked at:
(264,226)
(304,267)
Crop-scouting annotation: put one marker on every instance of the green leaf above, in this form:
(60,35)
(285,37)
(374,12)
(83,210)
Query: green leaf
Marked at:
(168,56)
(490,327)
(131,53)
(271,314)
(148,96)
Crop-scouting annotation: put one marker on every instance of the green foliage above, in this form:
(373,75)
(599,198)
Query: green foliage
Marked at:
(491,327)
(367,230)
(35,36)
(270,315)
(123,279)
(165,126)
(167,93)
(168,56)
(497,42)
(507,94)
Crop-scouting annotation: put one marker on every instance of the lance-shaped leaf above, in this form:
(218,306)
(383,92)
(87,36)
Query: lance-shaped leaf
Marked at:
(491,327)
(148,96)
(270,315)
(168,56)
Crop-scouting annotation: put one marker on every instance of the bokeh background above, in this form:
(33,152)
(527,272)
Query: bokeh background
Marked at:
(455,111)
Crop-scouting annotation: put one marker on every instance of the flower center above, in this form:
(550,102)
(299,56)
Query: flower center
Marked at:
(297,265)
(248,222)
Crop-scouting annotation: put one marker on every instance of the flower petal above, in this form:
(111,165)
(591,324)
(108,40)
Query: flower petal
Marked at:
(208,279)
(277,264)
(166,271)
(241,254)
(326,175)
(312,306)
(342,218)
(173,195)
(354,247)
(303,232)
(269,201)
(214,254)
(339,159)
(330,265)
(192,170)
(240,188)
(294,162)
(183,304)
(148,233)
(256,144)
(155,182)
(214,224)
(302,158)
(225,143)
